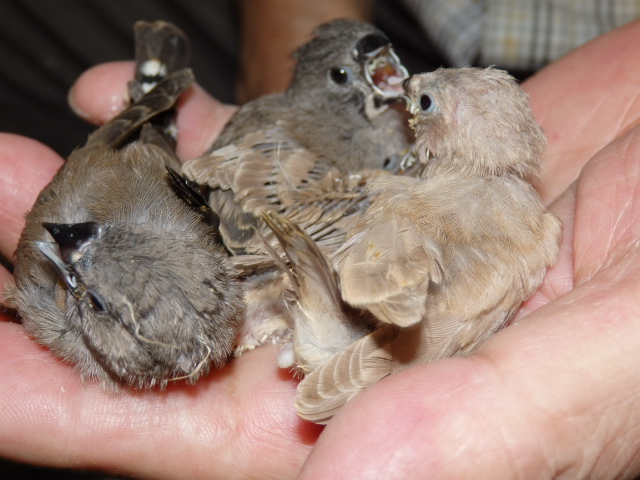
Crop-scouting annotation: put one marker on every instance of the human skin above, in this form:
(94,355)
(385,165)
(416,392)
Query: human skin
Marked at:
(267,66)
(555,395)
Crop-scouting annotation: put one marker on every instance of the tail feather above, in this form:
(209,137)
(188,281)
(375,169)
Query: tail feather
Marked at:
(164,96)
(325,390)
(161,49)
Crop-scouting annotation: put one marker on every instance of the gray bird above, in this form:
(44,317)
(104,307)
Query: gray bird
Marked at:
(281,153)
(333,115)
(445,259)
(120,269)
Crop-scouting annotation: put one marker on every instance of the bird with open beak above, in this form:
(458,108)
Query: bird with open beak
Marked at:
(294,151)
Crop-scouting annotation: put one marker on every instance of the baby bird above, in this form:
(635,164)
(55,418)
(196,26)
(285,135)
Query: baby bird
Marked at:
(287,152)
(444,259)
(334,115)
(120,269)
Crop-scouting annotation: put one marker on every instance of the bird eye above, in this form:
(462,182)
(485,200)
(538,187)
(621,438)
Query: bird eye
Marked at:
(426,103)
(96,302)
(341,75)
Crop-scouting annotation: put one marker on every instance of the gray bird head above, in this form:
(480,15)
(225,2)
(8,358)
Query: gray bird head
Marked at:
(149,313)
(474,120)
(349,63)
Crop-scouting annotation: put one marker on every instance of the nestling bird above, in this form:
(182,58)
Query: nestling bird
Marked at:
(444,259)
(120,269)
(333,120)
(333,115)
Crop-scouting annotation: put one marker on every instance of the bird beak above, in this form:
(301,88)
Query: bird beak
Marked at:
(410,102)
(72,238)
(385,73)
(52,252)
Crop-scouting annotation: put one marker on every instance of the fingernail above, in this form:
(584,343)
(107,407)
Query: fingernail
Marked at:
(74,106)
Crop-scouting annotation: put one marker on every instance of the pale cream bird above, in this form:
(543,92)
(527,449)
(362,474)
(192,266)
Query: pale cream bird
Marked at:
(444,259)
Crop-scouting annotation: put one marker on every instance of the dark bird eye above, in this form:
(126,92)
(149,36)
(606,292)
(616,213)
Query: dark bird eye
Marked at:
(96,302)
(341,75)
(425,102)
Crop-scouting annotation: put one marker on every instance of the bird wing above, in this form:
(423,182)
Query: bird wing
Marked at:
(268,171)
(329,208)
(387,266)
(259,173)
(388,263)
(262,169)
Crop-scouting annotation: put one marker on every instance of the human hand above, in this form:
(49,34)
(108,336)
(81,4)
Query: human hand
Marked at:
(553,395)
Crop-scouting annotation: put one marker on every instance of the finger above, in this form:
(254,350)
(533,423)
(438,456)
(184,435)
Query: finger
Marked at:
(607,223)
(27,167)
(584,101)
(200,121)
(232,424)
(101,92)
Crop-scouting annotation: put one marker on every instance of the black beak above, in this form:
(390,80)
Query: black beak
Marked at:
(368,46)
(71,237)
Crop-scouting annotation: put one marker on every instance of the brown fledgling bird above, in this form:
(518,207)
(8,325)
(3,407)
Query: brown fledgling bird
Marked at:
(281,152)
(120,269)
(445,259)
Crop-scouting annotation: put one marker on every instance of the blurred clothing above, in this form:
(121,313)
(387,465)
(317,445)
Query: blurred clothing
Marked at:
(517,34)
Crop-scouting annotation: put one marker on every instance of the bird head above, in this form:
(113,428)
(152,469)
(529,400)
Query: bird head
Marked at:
(152,305)
(474,120)
(348,63)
